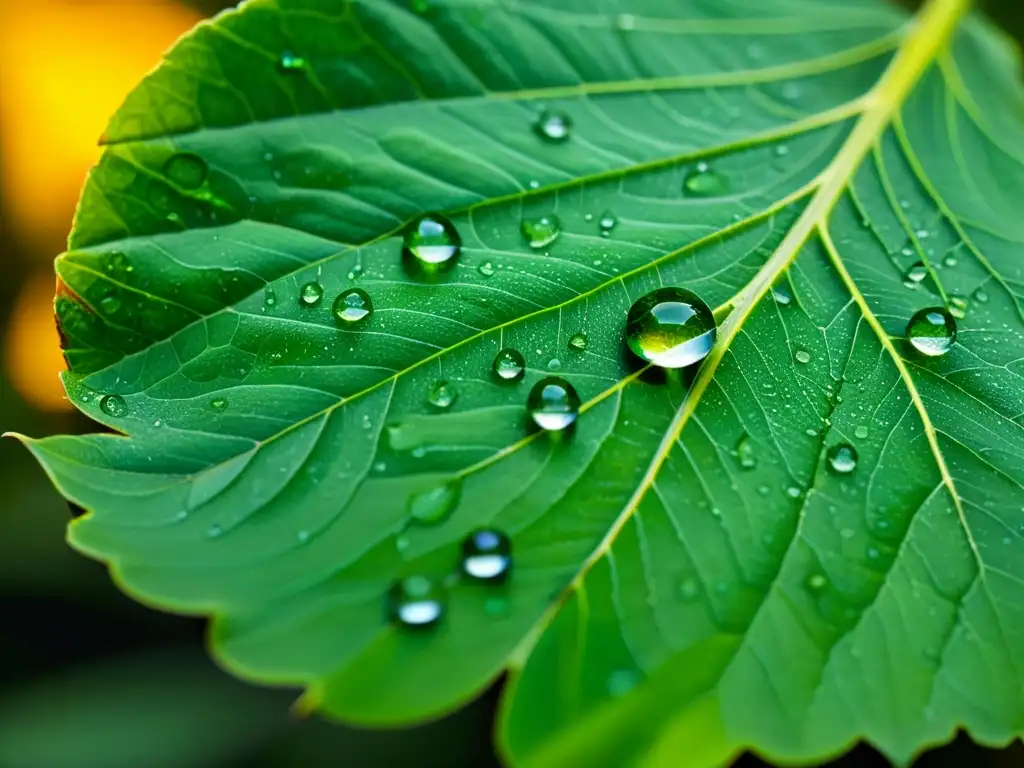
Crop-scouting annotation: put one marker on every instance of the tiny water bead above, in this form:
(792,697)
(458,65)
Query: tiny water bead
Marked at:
(781,295)
(486,269)
(290,63)
(842,458)
(434,505)
(745,453)
(219,404)
(441,394)
(186,170)
(416,602)
(269,296)
(553,404)
(352,307)
(487,556)
(113,405)
(958,307)
(310,294)
(980,296)
(578,342)
(509,365)
(915,274)
(432,244)
(607,223)
(553,126)
(704,182)
(932,331)
(802,356)
(861,432)
(671,328)
(542,231)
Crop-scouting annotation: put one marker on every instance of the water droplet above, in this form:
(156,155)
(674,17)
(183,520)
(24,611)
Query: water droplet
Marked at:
(745,452)
(434,505)
(816,582)
(915,274)
(781,150)
(113,405)
(861,432)
(607,223)
(214,531)
(842,458)
(671,327)
(486,269)
(703,182)
(110,303)
(431,245)
(219,404)
(310,294)
(302,536)
(781,294)
(802,356)
(509,365)
(416,602)
(621,682)
(487,556)
(950,259)
(352,307)
(554,364)
(553,126)
(578,341)
(441,394)
(958,307)
(689,589)
(290,63)
(541,231)
(794,492)
(980,296)
(186,170)
(269,296)
(932,331)
(553,404)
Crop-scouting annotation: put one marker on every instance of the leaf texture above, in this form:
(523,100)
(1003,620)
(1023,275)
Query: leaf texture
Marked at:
(690,577)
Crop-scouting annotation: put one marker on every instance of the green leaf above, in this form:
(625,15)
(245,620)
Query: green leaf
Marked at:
(695,568)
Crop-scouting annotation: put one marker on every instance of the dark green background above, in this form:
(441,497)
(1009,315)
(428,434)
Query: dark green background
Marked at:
(70,639)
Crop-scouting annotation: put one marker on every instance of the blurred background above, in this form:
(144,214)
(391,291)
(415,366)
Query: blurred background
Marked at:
(87,677)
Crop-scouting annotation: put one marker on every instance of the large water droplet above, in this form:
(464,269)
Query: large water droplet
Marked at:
(441,394)
(932,331)
(113,405)
(352,307)
(509,365)
(310,294)
(553,126)
(290,63)
(553,403)
(431,245)
(186,170)
(671,327)
(434,505)
(842,458)
(487,555)
(416,602)
(703,182)
(541,231)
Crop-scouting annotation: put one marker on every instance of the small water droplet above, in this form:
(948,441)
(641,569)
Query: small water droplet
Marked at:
(802,356)
(181,516)
(269,296)
(214,531)
(431,245)
(932,331)
(915,274)
(186,170)
(441,394)
(541,231)
(416,602)
(980,296)
(553,126)
(302,536)
(554,364)
(486,269)
(842,458)
(958,307)
(553,404)
(781,150)
(816,582)
(434,505)
(703,182)
(607,223)
(487,556)
(781,294)
(578,341)
(509,365)
(794,492)
(671,328)
(861,432)
(621,682)
(310,294)
(113,405)
(352,307)
(290,63)
(219,404)
(950,259)
(745,452)
(689,589)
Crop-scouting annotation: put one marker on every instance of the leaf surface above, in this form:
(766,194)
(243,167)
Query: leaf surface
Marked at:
(691,576)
